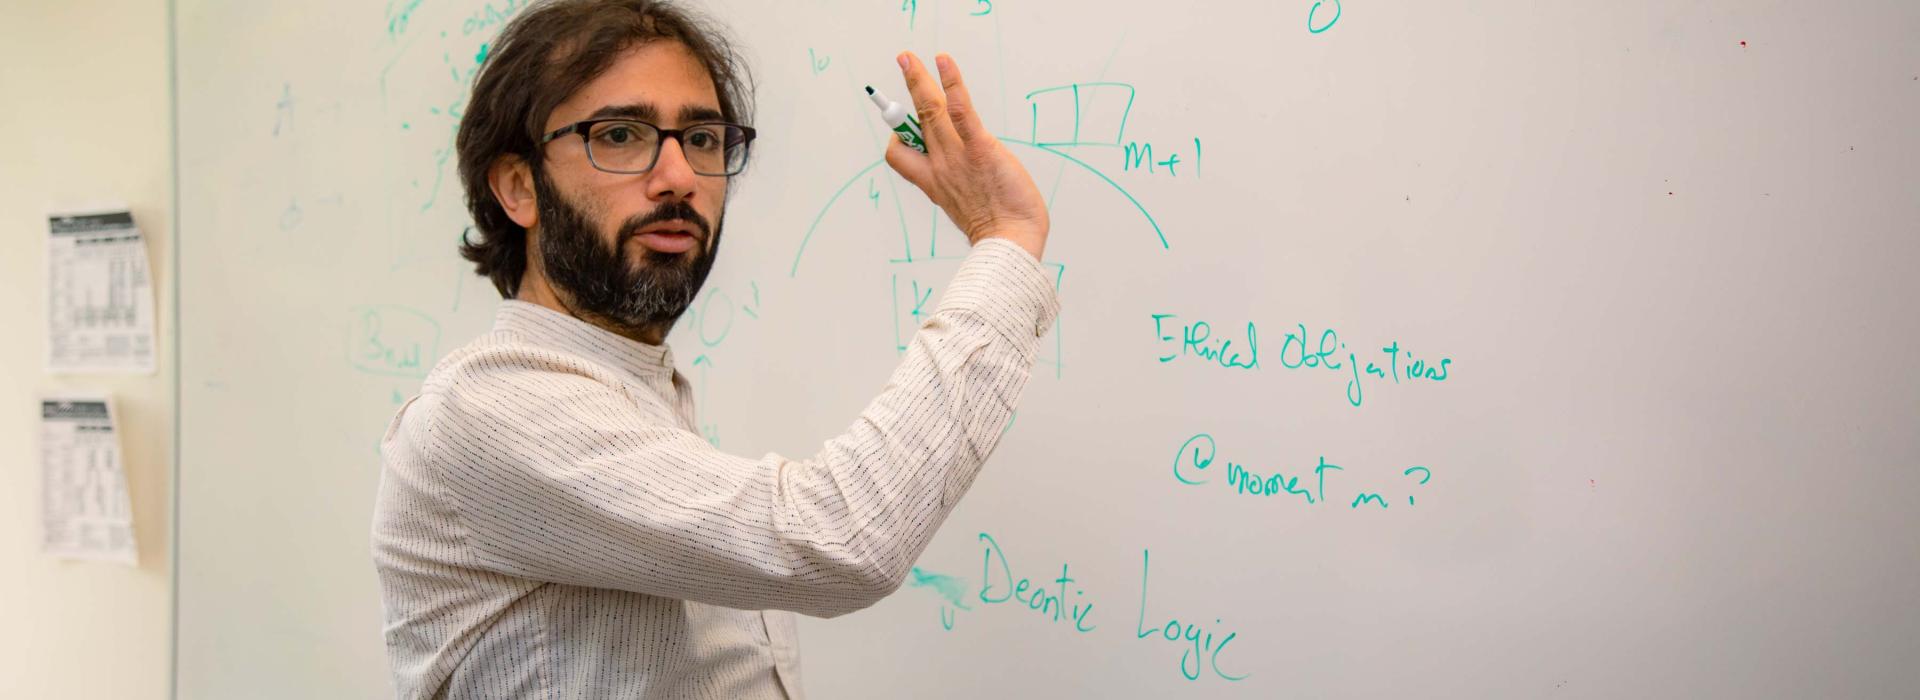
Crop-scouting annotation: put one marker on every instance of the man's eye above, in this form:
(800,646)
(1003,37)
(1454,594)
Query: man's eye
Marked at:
(622,135)
(702,140)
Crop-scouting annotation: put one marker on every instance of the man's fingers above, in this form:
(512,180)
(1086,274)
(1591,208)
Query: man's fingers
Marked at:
(966,122)
(929,102)
(911,165)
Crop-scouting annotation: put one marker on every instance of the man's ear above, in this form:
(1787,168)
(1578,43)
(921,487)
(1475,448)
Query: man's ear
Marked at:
(512,182)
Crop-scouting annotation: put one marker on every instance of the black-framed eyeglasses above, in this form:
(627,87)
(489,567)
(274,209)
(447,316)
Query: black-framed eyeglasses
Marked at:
(631,147)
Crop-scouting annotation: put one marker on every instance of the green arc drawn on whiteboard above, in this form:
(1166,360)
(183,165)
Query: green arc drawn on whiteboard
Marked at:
(1103,176)
(795,270)
(1329,24)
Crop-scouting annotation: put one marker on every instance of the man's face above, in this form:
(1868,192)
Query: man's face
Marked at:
(632,249)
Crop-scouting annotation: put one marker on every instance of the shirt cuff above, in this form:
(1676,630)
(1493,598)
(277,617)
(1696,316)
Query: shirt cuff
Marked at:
(1004,285)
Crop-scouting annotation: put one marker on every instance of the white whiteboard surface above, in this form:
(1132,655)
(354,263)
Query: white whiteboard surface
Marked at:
(1664,252)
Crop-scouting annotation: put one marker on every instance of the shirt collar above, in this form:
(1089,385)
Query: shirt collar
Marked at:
(543,326)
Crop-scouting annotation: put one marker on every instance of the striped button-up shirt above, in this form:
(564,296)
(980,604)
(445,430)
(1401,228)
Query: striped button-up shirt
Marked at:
(550,524)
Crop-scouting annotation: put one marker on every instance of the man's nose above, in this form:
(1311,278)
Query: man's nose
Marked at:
(672,176)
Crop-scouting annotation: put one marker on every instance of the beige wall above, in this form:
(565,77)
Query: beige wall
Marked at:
(84,118)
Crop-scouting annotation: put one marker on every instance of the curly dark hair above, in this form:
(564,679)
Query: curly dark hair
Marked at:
(542,57)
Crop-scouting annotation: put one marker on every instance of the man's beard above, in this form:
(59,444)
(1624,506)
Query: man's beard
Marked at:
(596,280)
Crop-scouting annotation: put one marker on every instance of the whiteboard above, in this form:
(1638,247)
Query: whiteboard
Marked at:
(1600,316)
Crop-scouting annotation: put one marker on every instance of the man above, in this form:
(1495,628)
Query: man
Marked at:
(549,524)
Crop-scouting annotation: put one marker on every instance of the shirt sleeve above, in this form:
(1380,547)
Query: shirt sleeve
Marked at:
(559,475)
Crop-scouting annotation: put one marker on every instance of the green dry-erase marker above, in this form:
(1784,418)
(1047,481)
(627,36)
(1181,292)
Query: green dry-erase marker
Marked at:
(899,119)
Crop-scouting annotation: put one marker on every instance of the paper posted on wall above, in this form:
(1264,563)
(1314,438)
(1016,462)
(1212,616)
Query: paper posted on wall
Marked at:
(85,511)
(99,296)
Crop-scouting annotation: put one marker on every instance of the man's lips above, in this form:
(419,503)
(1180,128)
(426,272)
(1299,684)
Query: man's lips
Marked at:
(667,241)
(669,237)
